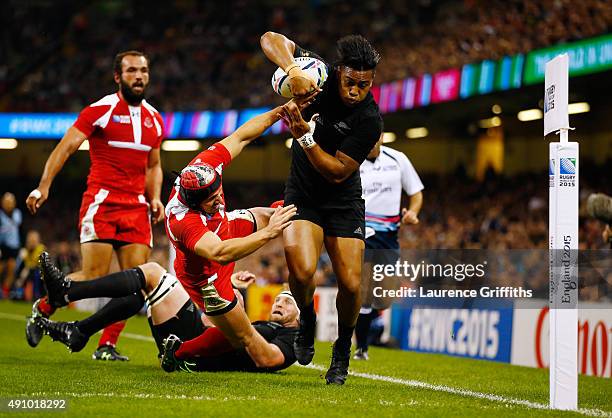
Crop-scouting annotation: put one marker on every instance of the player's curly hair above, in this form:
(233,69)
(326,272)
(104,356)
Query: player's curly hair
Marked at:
(356,52)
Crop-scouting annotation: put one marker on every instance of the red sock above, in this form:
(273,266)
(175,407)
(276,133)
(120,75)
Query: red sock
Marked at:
(110,335)
(44,307)
(212,342)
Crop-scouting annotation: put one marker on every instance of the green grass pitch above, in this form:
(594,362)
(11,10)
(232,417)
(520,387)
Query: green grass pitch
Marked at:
(392,383)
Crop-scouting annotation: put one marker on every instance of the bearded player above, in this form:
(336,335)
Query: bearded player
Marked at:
(324,183)
(123,186)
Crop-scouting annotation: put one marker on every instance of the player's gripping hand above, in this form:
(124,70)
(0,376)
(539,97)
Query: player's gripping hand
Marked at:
(409,217)
(299,83)
(304,102)
(242,279)
(280,219)
(157,210)
(36,198)
(295,121)
(301,130)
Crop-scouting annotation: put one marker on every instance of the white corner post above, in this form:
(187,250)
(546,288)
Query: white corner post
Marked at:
(563,239)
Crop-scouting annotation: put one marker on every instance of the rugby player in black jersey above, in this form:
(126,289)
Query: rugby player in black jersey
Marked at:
(332,138)
(173,317)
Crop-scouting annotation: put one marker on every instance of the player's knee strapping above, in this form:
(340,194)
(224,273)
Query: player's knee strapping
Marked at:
(163,289)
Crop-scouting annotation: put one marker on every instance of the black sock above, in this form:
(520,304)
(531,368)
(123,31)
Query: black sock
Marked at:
(307,314)
(362,329)
(114,285)
(345,334)
(116,310)
(157,336)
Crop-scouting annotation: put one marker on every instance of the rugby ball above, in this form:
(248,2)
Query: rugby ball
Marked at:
(313,68)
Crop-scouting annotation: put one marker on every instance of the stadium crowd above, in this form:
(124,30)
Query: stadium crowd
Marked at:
(200,61)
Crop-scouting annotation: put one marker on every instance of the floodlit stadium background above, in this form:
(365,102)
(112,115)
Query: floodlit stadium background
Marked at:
(460,85)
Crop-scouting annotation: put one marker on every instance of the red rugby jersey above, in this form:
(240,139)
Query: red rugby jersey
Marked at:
(186,226)
(120,139)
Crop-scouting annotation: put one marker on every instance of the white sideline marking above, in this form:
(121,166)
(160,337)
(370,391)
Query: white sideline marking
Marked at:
(138,337)
(463,392)
(12,316)
(405,382)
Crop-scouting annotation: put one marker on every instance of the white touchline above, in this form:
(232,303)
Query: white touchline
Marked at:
(464,392)
(405,382)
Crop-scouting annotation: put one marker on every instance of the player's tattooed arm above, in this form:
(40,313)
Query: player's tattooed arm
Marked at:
(68,145)
(279,49)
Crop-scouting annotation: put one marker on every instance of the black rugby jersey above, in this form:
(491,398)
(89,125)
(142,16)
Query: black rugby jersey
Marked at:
(239,360)
(350,130)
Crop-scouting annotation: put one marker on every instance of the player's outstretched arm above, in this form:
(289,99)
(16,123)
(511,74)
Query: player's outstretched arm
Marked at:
(335,168)
(210,246)
(249,131)
(72,140)
(280,50)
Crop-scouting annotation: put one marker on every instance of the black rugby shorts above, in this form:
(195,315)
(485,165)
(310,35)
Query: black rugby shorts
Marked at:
(343,221)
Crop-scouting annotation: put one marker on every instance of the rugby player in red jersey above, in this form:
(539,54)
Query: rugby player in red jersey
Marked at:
(123,186)
(208,240)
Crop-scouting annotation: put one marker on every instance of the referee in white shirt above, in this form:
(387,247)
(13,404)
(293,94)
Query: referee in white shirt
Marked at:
(384,175)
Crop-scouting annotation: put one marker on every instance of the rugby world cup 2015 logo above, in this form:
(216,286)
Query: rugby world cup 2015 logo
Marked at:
(567,166)
(551,173)
(567,172)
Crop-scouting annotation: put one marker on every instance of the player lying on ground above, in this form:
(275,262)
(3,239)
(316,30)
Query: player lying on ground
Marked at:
(172,315)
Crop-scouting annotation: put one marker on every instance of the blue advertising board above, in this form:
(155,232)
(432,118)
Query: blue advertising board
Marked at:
(474,328)
(35,125)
